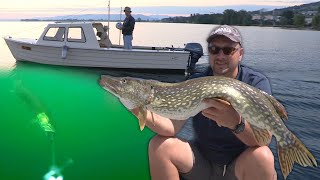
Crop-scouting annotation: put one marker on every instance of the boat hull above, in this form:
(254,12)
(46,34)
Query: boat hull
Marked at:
(102,57)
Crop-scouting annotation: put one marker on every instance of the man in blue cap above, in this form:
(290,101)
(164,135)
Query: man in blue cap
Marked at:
(217,144)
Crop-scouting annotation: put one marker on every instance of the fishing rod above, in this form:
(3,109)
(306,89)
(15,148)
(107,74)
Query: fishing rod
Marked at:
(120,21)
(55,172)
(108,17)
(64,18)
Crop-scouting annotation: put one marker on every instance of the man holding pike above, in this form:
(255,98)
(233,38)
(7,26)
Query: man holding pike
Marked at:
(223,146)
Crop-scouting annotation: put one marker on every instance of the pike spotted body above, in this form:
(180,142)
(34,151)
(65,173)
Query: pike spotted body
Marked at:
(182,100)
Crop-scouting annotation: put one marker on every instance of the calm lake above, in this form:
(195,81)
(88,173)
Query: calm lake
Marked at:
(97,138)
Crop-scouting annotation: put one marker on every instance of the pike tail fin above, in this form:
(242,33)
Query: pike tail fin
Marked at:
(292,150)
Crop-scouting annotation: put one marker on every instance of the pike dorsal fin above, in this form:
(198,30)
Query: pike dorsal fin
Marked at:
(277,105)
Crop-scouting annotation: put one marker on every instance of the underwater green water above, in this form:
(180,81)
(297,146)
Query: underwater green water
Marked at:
(92,128)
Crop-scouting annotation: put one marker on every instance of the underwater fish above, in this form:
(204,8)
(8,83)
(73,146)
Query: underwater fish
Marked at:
(182,100)
(36,107)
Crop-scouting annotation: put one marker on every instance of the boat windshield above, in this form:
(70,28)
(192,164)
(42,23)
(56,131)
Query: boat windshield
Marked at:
(55,34)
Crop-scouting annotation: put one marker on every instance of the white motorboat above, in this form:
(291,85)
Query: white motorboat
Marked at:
(87,44)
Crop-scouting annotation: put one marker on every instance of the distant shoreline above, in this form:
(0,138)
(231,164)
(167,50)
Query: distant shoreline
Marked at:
(76,20)
(291,27)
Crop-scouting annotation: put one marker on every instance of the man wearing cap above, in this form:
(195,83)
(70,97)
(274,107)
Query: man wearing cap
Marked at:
(217,143)
(127,28)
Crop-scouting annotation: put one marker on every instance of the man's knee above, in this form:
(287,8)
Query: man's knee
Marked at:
(160,144)
(259,160)
(171,150)
(263,155)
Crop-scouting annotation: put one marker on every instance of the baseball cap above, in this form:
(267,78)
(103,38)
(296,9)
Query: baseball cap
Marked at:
(127,9)
(228,31)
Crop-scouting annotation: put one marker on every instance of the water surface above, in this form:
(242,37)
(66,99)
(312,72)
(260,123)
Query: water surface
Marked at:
(101,136)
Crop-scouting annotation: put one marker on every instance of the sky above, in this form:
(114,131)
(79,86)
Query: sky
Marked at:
(19,9)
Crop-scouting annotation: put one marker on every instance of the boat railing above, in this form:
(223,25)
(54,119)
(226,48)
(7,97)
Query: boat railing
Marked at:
(149,47)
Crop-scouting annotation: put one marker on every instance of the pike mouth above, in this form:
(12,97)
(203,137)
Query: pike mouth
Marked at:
(108,83)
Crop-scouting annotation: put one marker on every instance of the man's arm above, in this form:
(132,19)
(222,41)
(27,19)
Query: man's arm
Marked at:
(161,125)
(225,115)
(129,25)
(247,136)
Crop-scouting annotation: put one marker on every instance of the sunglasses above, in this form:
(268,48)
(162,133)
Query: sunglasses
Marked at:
(226,50)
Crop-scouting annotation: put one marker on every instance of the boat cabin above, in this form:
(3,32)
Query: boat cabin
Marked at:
(89,35)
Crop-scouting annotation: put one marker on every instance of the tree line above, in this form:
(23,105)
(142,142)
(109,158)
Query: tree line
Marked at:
(299,20)
(288,18)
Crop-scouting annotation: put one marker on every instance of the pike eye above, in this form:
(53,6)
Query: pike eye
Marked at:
(124,80)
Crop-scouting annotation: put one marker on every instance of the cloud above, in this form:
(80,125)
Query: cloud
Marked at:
(164,10)
(29,12)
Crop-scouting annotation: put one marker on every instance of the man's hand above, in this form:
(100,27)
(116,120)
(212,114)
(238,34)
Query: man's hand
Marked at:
(222,113)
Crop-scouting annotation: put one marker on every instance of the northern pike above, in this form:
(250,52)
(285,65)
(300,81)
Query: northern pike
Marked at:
(35,105)
(182,100)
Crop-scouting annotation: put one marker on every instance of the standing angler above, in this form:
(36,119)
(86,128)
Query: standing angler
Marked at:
(232,125)
(127,28)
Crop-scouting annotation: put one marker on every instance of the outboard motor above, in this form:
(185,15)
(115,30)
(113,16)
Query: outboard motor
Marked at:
(196,52)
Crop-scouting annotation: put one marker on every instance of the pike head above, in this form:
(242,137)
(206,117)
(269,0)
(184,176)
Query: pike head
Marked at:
(132,92)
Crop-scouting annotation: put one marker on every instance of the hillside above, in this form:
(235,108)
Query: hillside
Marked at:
(304,7)
(296,9)
(100,17)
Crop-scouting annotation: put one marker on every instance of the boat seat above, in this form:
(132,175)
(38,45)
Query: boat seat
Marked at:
(104,39)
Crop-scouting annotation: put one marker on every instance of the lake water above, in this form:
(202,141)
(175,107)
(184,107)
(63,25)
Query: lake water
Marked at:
(100,137)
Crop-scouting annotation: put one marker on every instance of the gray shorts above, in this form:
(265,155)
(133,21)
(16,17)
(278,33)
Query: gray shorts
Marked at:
(205,170)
